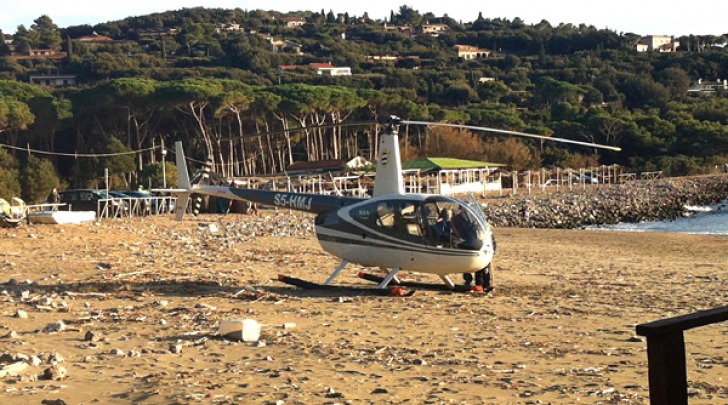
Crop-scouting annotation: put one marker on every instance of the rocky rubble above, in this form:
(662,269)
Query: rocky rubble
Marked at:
(607,204)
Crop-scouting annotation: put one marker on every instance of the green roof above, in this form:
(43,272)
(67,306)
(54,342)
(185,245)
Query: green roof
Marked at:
(427,164)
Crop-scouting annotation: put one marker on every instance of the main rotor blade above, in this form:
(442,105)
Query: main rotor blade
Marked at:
(516,133)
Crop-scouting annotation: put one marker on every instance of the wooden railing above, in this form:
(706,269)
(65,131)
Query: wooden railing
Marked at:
(666,353)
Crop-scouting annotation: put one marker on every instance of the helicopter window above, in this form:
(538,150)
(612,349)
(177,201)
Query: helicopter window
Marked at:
(448,224)
(368,215)
(402,219)
(385,215)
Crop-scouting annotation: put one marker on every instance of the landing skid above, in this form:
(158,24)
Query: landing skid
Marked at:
(424,286)
(308,285)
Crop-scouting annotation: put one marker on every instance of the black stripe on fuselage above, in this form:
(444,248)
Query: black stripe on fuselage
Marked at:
(395,244)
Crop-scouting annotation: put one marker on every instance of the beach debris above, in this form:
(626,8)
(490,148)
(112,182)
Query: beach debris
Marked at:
(331,393)
(55,358)
(13,369)
(91,336)
(247,330)
(34,361)
(57,326)
(20,314)
(54,372)
(635,338)
(53,402)
(10,335)
(117,352)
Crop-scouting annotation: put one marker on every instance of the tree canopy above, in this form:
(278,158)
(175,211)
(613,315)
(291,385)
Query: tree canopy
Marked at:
(238,87)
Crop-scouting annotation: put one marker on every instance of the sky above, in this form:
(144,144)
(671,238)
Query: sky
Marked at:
(623,16)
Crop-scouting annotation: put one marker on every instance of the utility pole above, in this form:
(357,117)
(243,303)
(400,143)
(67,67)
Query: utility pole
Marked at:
(164,165)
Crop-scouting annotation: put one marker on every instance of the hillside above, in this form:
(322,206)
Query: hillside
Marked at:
(205,76)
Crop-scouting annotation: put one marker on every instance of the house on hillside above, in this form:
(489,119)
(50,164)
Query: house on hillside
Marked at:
(432,29)
(53,80)
(39,54)
(94,38)
(708,87)
(406,30)
(468,52)
(330,70)
(289,68)
(283,45)
(450,176)
(657,43)
(157,32)
(227,27)
(294,21)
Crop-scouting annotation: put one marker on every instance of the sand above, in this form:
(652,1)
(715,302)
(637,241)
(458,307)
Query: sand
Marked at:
(559,327)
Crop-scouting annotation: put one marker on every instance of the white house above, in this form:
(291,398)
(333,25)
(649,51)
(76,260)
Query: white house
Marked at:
(472,52)
(331,70)
(708,87)
(658,43)
(53,80)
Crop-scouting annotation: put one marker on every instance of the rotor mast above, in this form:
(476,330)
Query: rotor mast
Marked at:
(389,165)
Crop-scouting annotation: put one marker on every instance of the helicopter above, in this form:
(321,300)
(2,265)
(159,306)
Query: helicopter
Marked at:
(391,230)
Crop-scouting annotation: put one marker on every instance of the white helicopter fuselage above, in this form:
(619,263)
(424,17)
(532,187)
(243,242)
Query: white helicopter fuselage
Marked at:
(400,231)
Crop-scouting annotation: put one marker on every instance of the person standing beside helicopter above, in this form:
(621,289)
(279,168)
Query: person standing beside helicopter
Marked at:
(54,198)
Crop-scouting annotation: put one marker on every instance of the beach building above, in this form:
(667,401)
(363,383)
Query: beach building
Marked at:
(450,176)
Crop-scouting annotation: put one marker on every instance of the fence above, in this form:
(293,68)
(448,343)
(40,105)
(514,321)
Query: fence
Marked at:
(134,206)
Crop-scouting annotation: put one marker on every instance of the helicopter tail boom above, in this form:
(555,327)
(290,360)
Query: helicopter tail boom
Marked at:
(314,203)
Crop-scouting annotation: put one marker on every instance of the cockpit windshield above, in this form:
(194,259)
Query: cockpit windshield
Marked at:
(452,223)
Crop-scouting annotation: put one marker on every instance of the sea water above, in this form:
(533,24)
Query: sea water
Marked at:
(712,220)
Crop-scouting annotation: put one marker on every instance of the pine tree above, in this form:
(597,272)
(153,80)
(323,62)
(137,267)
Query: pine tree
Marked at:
(9,184)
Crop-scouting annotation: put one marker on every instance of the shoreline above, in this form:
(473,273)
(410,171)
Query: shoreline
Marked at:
(637,201)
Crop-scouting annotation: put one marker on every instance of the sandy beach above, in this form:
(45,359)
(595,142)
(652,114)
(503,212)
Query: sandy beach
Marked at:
(559,328)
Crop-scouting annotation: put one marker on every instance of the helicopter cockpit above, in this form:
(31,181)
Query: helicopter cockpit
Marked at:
(452,223)
(438,222)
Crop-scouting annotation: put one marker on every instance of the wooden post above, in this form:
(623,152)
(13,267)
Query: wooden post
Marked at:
(558,178)
(667,373)
(666,353)
(500,181)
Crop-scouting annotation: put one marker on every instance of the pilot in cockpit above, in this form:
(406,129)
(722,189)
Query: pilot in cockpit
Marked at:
(442,226)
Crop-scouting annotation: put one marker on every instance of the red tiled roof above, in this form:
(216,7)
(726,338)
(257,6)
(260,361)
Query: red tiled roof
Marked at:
(322,65)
